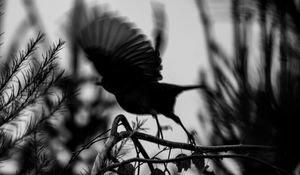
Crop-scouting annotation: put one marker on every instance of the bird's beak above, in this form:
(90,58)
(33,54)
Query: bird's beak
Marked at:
(98,83)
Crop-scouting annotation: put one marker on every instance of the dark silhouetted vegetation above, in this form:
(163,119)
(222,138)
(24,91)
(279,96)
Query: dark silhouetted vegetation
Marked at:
(258,104)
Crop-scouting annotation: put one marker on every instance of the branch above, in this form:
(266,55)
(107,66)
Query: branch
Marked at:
(210,156)
(215,149)
(114,138)
(101,164)
(104,154)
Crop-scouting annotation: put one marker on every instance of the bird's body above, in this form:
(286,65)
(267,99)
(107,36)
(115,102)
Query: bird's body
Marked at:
(130,67)
(151,98)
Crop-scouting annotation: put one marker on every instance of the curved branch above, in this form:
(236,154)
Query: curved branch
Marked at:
(114,138)
(135,140)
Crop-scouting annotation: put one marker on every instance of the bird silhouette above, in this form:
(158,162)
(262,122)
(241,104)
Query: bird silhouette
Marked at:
(130,67)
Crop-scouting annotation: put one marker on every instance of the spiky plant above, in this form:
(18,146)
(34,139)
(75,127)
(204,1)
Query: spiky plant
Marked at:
(28,100)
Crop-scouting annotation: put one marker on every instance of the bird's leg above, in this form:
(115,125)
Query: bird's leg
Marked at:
(177,120)
(190,136)
(159,130)
(159,133)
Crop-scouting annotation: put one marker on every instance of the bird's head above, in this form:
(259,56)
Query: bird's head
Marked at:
(115,86)
(104,84)
(109,85)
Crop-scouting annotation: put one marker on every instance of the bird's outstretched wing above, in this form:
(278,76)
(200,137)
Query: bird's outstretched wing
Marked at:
(121,54)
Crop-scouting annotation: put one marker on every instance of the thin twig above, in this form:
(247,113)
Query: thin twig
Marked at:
(84,147)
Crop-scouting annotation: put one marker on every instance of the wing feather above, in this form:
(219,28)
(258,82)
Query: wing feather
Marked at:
(121,54)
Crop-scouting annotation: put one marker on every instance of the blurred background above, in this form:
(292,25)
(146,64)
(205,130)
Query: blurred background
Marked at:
(245,51)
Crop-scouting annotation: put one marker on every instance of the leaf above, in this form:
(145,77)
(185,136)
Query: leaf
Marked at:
(183,164)
(198,162)
(127,169)
(157,172)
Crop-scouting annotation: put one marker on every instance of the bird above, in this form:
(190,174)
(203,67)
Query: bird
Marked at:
(130,67)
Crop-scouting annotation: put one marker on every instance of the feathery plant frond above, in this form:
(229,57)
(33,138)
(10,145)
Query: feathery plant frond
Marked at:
(5,143)
(37,158)
(47,113)
(9,71)
(28,97)
(137,125)
(25,83)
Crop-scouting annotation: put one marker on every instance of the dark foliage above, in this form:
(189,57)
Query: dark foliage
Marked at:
(265,112)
